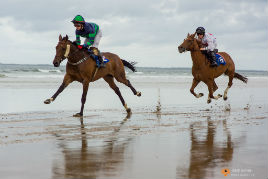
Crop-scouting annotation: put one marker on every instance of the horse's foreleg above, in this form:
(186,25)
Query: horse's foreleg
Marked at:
(230,83)
(83,99)
(66,81)
(194,84)
(211,91)
(215,87)
(110,81)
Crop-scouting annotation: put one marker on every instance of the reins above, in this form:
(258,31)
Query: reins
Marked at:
(80,61)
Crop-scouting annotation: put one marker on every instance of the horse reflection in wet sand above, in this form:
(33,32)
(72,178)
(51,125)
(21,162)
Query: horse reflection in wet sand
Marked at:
(202,71)
(82,68)
(207,153)
(85,161)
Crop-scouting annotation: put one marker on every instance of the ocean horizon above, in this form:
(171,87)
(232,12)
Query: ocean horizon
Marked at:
(45,70)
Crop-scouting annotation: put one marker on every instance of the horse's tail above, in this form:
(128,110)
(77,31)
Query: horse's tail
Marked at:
(240,77)
(130,65)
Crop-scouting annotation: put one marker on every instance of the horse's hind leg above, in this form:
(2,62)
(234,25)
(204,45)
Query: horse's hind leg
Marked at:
(194,84)
(133,89)
(110,80)
(230,83)
(122,79)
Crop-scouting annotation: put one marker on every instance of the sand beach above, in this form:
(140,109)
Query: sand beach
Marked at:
(170,133)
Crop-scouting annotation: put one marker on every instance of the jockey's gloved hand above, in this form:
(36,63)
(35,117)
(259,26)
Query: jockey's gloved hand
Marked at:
(80,46)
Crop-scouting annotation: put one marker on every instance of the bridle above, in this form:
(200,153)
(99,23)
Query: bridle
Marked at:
(67,53)
(191,43)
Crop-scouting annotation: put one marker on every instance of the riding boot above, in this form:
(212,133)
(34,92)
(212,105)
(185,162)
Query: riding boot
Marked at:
(213,62)
(97,53)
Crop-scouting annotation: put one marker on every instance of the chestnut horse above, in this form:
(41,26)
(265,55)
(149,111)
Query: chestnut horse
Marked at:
(202,71)
(82,68)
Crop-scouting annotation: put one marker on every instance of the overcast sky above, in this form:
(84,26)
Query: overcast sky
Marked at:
(146,31)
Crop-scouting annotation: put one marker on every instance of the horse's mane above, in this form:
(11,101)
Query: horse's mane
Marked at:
(74,43)
(199,43)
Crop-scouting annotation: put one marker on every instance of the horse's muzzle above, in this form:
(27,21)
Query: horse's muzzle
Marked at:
(56,64)
(181,49)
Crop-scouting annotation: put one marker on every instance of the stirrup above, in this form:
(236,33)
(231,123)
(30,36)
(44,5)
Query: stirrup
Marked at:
(213,64)
(102,65)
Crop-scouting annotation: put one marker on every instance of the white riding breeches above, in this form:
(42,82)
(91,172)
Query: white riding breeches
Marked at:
(96,40)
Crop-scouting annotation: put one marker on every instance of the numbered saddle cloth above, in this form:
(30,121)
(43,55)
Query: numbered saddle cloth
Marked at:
(220,60)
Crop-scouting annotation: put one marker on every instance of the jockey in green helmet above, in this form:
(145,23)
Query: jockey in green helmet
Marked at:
(92,34)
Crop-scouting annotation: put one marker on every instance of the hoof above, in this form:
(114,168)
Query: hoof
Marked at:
(138,94)
(128,110)
(199,95)
(209,101)
(48,101)
(219,95)
(225,98)
(77,115)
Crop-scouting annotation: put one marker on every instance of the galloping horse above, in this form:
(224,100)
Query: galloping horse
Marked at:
(203,72)
(82,68)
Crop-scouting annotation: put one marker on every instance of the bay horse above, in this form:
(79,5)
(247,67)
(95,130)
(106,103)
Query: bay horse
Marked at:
(82,67)
(202,71)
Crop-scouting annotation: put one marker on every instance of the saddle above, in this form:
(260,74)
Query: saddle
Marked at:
(206,53)
(95,54)
(99,62)
(219,59)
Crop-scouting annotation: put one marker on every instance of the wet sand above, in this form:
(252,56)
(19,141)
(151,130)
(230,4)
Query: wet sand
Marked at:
(170,134)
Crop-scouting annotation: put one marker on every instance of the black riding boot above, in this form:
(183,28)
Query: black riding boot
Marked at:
(97,53)
(212,58)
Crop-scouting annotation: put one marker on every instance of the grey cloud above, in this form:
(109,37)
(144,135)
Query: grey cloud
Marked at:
(238,25)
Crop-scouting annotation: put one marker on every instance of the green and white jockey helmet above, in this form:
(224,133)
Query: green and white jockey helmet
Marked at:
(78,19)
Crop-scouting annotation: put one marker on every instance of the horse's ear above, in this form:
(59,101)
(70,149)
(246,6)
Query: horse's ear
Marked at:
(188,35)
(66,37)
(60,38)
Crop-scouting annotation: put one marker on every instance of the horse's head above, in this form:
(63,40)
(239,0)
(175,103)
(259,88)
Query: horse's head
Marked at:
(62,50)
(187,44)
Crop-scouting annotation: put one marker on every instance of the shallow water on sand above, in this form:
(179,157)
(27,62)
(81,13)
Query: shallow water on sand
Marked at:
(170,134)
(168,143)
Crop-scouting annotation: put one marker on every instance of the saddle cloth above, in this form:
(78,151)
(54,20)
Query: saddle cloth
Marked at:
(220,60)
